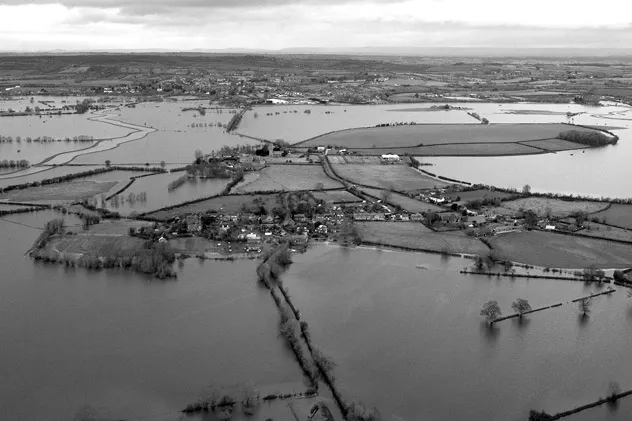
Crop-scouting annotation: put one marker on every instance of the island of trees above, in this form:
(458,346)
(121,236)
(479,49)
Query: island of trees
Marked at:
(590,138)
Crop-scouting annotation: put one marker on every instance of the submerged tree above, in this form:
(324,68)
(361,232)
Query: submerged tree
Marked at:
(491,311)
(521,306)
(584,305)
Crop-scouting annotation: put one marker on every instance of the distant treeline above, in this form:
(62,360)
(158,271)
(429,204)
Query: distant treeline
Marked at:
(590,138)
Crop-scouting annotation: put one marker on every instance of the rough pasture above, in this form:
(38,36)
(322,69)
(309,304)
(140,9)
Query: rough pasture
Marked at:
(415,235)
(398,177)
(226,204)
(558,250)
(72,190)
(289,178)
(617,215)
(437,134)
(559,208)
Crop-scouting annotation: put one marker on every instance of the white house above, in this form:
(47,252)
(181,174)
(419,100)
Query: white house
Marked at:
(390,157)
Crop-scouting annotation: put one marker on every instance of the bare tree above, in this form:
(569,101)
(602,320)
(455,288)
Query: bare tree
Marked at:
(584,305)
(521,306)
(491,311)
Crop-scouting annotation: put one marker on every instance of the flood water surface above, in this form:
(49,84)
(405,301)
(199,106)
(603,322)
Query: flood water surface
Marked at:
(407,336)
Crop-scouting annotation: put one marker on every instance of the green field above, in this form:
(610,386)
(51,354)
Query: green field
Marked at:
(71,190)
(225,204)
(289,178)
(555,145)
(617,215)
(476,149)
(336,196)
(564,251)
(97,245)
(407,203)
(398,177)
(437,134)
(479,195)
(417,236)
(559,208)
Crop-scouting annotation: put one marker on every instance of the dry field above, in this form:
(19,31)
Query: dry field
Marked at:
(563,251)
(478,149)
(226,204)
(72,190)
(479,195)
(607,232)
(289,178)
(417,236)
(559,208)
(336,196)
(617,215)
(405,202)
(399,177)
(433,134)
(554,145)
(97,245)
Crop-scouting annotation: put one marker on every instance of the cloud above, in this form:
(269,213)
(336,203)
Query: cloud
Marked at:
(275,24)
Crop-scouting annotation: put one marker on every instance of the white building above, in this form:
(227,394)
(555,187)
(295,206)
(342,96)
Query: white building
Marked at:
(390,157)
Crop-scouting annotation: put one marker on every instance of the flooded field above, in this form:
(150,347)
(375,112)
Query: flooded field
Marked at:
(412,321)
(158,196)
(128,345)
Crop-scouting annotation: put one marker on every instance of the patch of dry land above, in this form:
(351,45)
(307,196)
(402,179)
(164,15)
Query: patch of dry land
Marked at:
(225,204)
(592,229)
(407,203)
(438,134)
(413,235)
(617,215)
(72,190)
(289,178)
(96,245)
(398,177)
(559,208)
(563,251)
(479,194)
(336,196)
(554,145)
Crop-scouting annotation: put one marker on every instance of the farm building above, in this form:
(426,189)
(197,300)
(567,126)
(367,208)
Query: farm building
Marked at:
(390,158)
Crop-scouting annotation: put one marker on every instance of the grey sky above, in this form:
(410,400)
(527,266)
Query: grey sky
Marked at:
(273,24)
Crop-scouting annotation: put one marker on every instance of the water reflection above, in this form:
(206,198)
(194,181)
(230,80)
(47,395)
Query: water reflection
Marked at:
(491,333)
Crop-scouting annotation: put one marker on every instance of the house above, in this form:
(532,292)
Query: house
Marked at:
(436,200)
(504,229)
(549,227)
(362,216)
(320,149)
(300,217)
(477,220)
(416,217)
(252,237)
(268,220)
(390,158)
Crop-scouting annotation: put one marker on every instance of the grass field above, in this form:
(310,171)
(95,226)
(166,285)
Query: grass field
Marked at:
(289,178)
(405,202)
(558,250)
(559,208)
(227,204)
(479,195)
(593,229)
(399,177)
(97,245)
(618,215)
(336,196)
(477,149)
(555,145)
(432,134)
(72,190)
(417,236)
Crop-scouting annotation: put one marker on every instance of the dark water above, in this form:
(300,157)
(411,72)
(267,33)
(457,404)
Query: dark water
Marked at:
(410,341)
(127,344)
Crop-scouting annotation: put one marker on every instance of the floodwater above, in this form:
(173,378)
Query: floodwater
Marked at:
(409,340)
(296,126)
(158,195)
(126,344)
(600,172)
(175,139)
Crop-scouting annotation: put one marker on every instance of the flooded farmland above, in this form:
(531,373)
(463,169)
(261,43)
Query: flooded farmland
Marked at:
(126,344)
(405,332)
